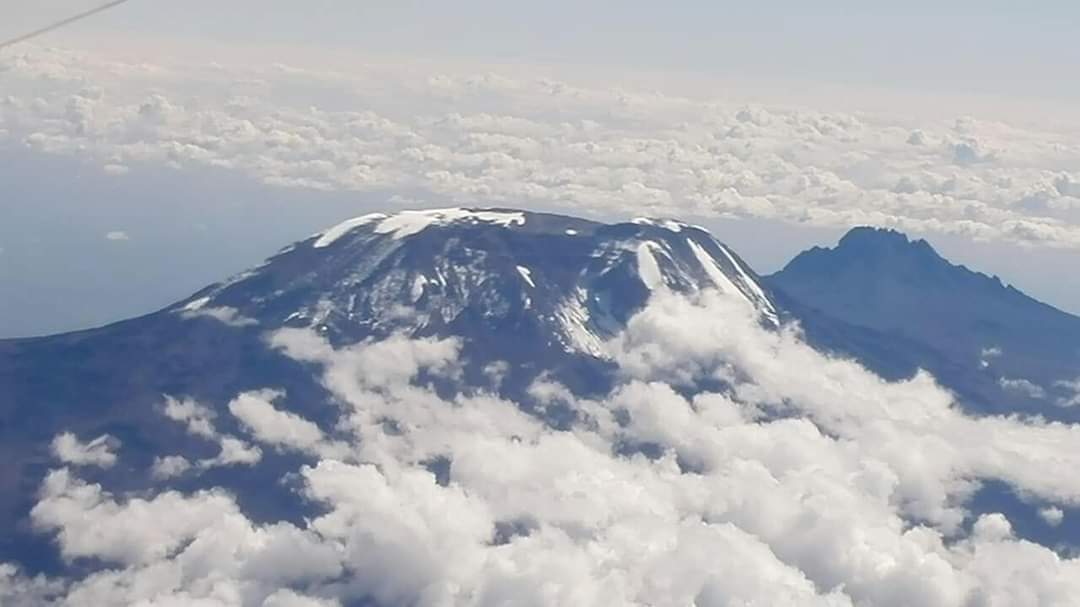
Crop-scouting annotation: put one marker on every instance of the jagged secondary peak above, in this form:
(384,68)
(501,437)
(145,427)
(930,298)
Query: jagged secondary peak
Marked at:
(883,281)
(873,234)
(884,241)
(876,254)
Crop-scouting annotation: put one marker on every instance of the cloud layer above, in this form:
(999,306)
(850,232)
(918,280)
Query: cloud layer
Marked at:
(496,139)
(804,481)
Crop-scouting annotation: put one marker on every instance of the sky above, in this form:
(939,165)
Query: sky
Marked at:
(951,121)
(1000,48)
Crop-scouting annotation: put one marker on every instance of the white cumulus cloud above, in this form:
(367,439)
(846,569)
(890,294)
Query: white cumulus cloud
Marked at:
(280,428)
(1071,390)
(99,452)
(796,479)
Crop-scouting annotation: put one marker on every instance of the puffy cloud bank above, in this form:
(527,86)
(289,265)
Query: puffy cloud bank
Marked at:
(491,139)
(792,479)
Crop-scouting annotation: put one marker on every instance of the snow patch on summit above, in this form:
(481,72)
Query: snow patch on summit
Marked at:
(667,224)
(330,236)
(407,223)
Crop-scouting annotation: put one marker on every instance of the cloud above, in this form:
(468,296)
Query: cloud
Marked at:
(98,452)
(197,417)
(779,371)
(1022,386)
(518,139)
(383,365)
(288,598)
(795,478)
(987,355)
(234,452)
(117,236)
(1071,390)
(280,428)
(90,524)
(198,420)
(17,590)
(169,466)
(993,527)
(1052,515)
(224,314)
(175,549)
(969,152)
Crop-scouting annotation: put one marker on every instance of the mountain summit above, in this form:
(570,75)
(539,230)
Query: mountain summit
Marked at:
(880,280)
(876,256)
(482,273)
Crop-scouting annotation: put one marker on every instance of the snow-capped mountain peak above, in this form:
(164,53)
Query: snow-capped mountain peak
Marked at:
(407,223)
(572,283)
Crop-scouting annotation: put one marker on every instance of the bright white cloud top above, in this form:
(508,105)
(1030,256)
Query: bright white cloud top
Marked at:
(858,497)
(69,449)
(536,142)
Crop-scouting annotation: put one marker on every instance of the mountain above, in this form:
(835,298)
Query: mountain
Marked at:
(521,287)
(539,292)
(303,427)
(999,348)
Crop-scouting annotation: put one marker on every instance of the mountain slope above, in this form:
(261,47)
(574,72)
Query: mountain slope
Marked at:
(480,407)
(565,281)
(1002,348)
(536,293)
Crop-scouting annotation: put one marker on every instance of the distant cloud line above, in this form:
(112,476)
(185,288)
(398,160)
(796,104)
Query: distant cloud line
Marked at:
(493,139)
